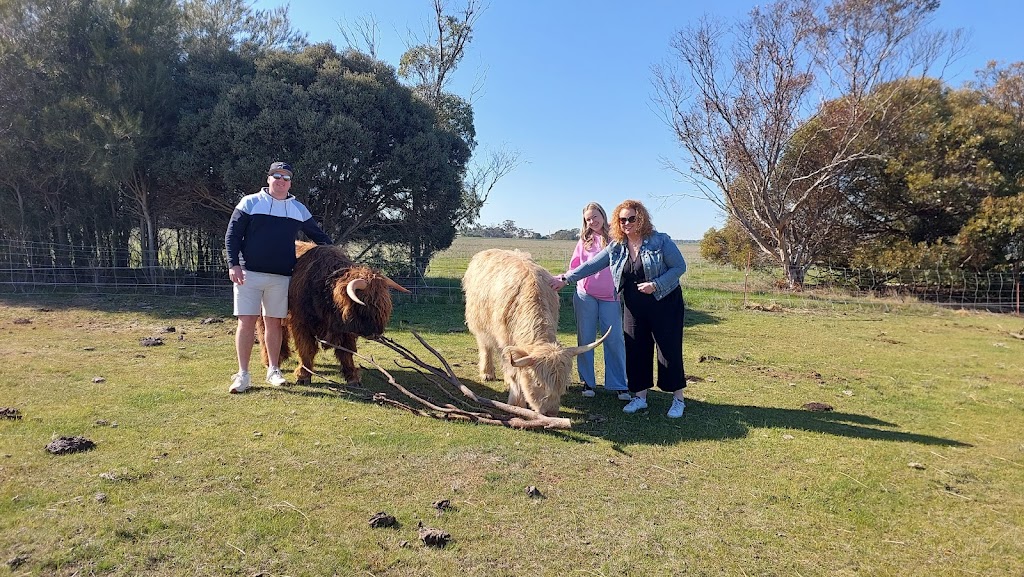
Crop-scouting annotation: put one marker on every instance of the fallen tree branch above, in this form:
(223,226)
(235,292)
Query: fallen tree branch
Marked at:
(516,417)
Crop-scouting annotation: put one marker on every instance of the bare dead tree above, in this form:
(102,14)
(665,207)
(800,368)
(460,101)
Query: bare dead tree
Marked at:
(363,35)
(751,104)
(1003,86)
(431,62)
(478,410)
(480,179)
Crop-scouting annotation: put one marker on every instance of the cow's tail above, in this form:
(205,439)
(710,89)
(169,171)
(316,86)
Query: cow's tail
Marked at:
(286,349)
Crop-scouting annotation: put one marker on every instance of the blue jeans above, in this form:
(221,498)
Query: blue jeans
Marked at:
(593,317)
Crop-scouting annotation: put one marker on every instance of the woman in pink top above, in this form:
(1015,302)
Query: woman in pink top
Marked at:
(597,308)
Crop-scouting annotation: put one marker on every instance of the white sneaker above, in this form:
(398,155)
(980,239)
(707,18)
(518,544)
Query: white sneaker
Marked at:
(635,405)
(274,377)
(676,410)
(239,383)
(624,396)
(588,392)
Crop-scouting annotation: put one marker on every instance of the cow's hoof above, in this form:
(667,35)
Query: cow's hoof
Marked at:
(303,380)
(487,377)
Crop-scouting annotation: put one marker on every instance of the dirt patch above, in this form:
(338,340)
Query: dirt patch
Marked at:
(151,342)
(22,321)
(65,445)
(10,413)
(433,537)
(769,308)
(818,407)
(382,519)
(17,561)
(442,506)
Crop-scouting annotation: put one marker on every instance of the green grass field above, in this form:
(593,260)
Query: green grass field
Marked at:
(919,470)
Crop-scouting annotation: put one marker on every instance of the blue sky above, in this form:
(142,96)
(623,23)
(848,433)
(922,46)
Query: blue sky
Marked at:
(568,86)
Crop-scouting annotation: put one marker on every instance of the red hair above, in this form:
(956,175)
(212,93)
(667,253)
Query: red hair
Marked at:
(643,220)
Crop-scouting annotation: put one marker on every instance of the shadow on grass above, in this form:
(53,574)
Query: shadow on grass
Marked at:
(602,417)
(710,421)
(157,306)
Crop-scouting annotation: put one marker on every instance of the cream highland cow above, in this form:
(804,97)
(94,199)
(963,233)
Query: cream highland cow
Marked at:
(512,311)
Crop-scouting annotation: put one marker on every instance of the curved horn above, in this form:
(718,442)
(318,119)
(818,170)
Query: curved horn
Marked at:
(584,348)
(523,361)
(353,286)
(394,285)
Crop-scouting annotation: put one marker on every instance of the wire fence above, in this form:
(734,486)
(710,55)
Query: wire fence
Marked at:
(38,268)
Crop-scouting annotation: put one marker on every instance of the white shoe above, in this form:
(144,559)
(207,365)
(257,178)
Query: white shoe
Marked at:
(588,392)
(635,405)
(676,410)
(274,377)
(624,396)
(239,383)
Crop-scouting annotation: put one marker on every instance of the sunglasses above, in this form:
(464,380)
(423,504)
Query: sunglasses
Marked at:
(628,219)
(280,176)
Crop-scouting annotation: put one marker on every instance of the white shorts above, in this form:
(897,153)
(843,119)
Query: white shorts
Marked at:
(262,293)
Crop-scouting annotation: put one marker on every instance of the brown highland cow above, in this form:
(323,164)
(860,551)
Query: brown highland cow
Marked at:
(333,299)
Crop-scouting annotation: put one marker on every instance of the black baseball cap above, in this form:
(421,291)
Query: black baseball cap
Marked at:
(279,167)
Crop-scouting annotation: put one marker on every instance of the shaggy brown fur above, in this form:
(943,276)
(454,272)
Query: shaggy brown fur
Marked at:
(319,307)
(511,308)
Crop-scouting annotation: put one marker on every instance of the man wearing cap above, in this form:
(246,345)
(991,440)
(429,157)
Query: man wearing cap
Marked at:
(261,253)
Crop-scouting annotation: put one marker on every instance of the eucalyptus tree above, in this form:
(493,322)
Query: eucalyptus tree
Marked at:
(737,95)
(429,65)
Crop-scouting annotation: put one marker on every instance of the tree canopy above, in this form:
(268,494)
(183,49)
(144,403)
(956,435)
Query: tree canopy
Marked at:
(125,119)
(746,102)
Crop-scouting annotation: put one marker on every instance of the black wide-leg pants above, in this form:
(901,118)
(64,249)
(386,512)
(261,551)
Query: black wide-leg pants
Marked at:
(652,326)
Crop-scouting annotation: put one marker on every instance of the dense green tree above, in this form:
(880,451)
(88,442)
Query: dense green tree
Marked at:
(136,112)
(733,246)
(370,158)
(994,237)
(565,234)
(51,80)
(933,168)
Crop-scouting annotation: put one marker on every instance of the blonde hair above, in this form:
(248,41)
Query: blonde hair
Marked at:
(587,234)
(643,220)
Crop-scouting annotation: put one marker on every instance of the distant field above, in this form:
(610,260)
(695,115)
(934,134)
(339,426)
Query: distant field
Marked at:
(704,284)
(551,254)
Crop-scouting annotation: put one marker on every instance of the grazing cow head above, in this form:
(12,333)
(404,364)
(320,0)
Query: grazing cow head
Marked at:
(541,371)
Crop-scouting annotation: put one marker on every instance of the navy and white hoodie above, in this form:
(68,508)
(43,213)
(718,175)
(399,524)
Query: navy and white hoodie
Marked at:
(262,231)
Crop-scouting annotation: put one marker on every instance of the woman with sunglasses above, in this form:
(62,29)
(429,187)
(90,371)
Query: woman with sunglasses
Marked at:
(645,266)
(261,235)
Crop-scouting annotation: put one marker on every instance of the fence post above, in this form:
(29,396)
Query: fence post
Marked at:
(1016,286)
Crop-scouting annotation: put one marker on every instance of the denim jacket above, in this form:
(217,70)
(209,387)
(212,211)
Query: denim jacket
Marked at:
(663,264)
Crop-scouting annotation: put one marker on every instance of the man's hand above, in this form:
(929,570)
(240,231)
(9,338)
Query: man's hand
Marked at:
(236,275)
